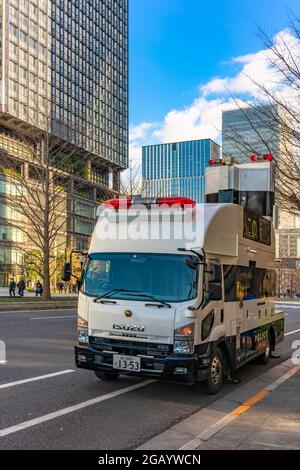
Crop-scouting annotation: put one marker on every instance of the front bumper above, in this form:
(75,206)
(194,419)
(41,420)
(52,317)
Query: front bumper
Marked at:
(183,368)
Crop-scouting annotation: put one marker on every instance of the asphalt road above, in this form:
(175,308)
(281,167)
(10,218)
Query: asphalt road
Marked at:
(55,412)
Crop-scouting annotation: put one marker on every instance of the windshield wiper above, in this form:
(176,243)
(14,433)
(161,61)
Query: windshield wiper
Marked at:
(134,293)
(112,291)
(148,296)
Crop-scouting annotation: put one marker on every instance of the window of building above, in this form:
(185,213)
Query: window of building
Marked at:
(85,228)
(33,9)
(13,30)
(13,67)
(23,37)
(84,210)
(23,73)
(11,233)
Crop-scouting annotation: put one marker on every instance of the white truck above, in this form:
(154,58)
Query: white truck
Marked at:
(179,291)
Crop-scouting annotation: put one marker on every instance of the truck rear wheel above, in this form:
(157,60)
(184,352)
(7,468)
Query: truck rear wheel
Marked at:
(106,375)
(265,357)
(216,372)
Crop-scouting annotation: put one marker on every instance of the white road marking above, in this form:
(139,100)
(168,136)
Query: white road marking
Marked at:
(278,382)
(53,310)
(71,409)
(290,306)
(48,318)
(291,332)
(33,379)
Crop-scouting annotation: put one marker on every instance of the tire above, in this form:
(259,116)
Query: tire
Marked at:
(111,376)
(265,357)
(215,373)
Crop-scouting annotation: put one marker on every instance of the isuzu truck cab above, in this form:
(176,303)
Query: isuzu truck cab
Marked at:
(176,290)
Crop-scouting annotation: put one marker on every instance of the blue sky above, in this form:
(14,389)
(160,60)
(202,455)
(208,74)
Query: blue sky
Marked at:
(177,46)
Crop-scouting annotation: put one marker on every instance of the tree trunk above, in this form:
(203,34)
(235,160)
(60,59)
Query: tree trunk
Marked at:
(46,241)
(46,276)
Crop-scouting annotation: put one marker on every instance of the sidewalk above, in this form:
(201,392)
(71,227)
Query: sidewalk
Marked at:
(263,413)
(5,293)
(272,423)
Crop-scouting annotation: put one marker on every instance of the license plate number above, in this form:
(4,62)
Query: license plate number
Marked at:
(127,363)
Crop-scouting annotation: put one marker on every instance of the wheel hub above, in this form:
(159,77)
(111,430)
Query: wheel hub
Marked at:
(216,370)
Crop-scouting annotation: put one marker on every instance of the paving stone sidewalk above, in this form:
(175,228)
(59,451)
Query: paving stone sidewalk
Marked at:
(273,423)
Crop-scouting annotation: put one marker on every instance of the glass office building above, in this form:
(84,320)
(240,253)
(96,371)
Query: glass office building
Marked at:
(257,130)
(240,128)
(63,69)
(68,58)
(89,76)
(177,169)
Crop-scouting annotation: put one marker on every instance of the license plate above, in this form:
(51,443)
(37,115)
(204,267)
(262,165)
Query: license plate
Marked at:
(130,363)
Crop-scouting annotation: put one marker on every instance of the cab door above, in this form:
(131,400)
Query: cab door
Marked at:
(212,308)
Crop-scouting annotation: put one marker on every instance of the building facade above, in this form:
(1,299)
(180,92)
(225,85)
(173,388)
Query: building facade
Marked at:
(64,74)
(252,130)
(257,130)
(177,169)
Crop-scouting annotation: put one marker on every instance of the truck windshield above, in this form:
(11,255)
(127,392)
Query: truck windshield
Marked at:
(166,277)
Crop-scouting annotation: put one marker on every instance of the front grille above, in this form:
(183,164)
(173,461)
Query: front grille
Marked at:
(127,335)
(130,347)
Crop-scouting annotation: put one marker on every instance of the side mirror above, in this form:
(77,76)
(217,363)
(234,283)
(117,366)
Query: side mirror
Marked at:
(192,262)
(215,291)
(66,272)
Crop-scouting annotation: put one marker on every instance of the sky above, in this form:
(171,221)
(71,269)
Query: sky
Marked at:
(187,58)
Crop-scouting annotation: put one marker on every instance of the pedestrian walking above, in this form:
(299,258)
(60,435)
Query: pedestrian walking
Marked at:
(39,289)
(12,288)
(21,287)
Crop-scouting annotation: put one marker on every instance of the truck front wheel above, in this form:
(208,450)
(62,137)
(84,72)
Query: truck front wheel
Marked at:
(215,373)
(106,375)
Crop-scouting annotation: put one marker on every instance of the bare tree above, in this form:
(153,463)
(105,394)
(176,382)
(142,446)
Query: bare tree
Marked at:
(38,178)
(132,183)
(277,103)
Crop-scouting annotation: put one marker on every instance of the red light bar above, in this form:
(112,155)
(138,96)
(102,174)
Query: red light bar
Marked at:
(126,203)
(170,201)
(211,162)
(118,203)
(268,157)
(253,158)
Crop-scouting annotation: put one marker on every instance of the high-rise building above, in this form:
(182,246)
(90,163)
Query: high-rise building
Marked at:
(252,130)
(63,70)
(178,169)
(257,130)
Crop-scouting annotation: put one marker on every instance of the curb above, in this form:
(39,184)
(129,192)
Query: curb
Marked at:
(189,433)
(18,307)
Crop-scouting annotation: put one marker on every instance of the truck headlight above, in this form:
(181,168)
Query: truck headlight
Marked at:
(82,329)
(183,347)
(184,339)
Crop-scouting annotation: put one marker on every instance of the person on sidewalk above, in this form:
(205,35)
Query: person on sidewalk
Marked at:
(21,286)
(39,289)
(12,288)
